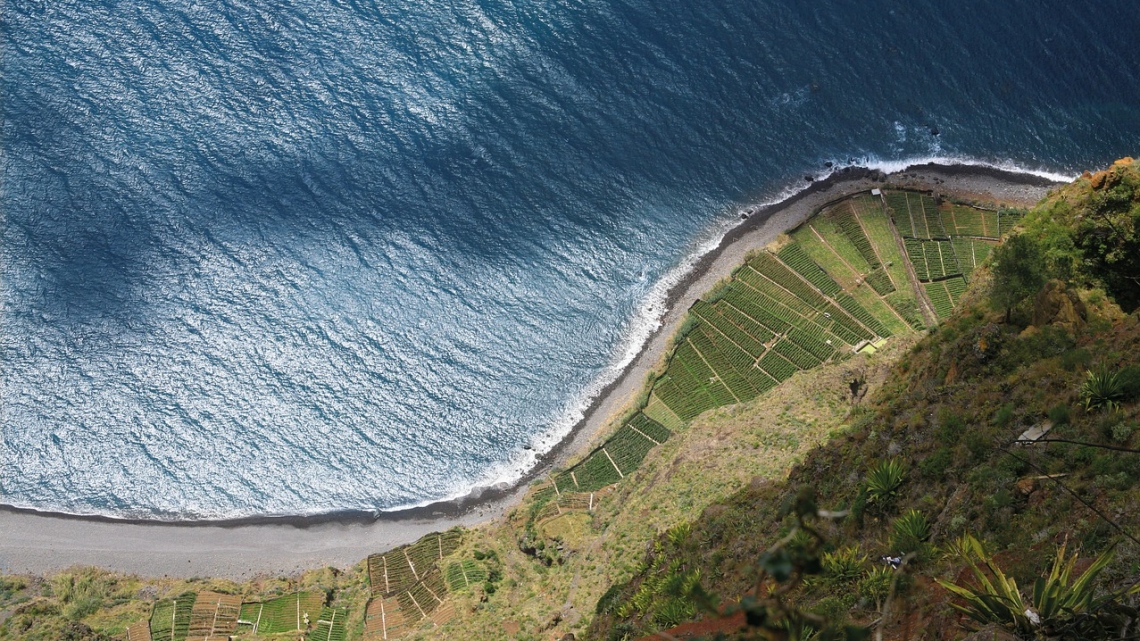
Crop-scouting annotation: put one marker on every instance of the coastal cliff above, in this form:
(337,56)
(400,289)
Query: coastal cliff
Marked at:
(925,354)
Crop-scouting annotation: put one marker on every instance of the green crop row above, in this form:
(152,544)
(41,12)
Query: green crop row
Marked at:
(971,253)
(849,225)
(880,282)
(778,273)
(795,354)
(852,307)
(940,298)
(930,212)
(283,614)
(906,306)
(748,301)
(170,619)
(777,367)
(816,343)
(461,575)
(956,287)
(650,428)
(628,448)
(795,257)
(729,362)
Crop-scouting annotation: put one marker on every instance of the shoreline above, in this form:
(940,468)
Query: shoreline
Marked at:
(34,541)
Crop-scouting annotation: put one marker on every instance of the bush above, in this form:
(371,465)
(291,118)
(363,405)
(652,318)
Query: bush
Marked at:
(843,566)
(1059,414)
(876,585)
(1004,415)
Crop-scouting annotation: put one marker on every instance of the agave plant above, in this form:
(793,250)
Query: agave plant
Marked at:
(843,565)
(910,531)
(1055,599)
(884,481)
(1103,389)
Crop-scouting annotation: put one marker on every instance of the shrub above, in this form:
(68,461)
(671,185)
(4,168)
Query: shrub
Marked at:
(910,531)
(1103,389)
(1004,415)
(883,482)
(876,585)
(844,565)
(1059,414)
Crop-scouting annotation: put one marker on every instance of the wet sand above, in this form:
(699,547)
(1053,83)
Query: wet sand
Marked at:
(35,542)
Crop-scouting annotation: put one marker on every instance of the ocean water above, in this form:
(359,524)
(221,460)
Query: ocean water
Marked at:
(309,256)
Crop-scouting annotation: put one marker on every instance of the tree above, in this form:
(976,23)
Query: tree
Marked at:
(1019,272)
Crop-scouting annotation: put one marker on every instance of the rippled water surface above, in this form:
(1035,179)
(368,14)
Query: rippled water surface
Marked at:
(278,258)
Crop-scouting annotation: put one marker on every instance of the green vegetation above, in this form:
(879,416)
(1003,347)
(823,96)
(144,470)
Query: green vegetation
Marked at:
(1061,605)
(762,414)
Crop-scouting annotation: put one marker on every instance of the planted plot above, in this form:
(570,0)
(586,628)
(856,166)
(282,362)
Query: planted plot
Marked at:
(753,328)
(940,298)
(933,218)
(628,448)
(284,614)
(960,220)
(917,256)
(330,626)
(461,575)
(384,619)
(650,428)
(779,273)
(748,302)
(1007,219)
(795,257)
(721,323)
(596,472)
(688,357)
(956,287)
(685,406)
(213,615)
(971,253)
(400,568)
(847,223)
(907,307)
(878,228)
(170,619)
(900,212)
(728,361)
(818,344)
(796,355)
(880,282)
(852,306)
(770,295)
(777,366)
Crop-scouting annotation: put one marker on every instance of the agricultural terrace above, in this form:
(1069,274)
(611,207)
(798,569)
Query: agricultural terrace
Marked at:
(855,274)
(408,584)
(289,613)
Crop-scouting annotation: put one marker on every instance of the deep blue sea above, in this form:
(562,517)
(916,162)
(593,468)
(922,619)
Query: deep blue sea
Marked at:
(307,256)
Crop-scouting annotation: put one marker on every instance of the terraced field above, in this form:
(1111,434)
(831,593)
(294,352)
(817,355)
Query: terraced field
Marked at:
(408,585)
(170,618)
(843,280)
(288,613)
(330,626)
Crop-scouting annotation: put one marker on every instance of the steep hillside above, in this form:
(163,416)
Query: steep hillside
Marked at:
(948,422)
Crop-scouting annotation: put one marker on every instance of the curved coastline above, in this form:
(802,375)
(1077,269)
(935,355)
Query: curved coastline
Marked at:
(39,541)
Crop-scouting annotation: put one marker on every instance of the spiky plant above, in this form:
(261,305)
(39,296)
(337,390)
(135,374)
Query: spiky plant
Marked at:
(843,565)
(910,531)
(1103,389)
(1057,598)
(884,481)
